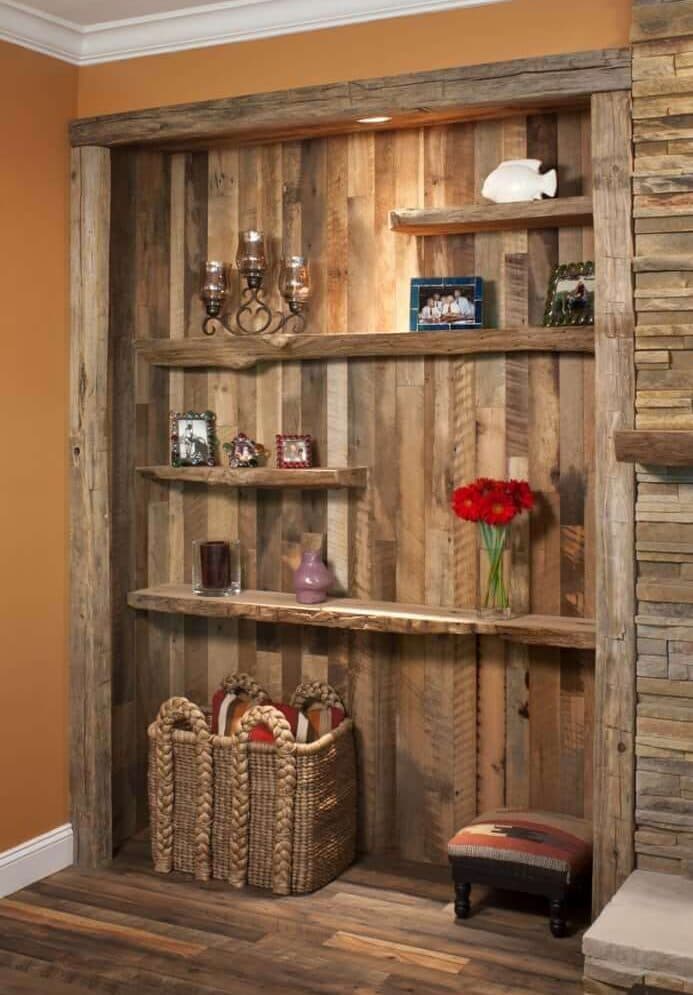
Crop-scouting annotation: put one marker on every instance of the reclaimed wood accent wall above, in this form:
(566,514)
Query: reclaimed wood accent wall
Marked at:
(663,211)
(445,725)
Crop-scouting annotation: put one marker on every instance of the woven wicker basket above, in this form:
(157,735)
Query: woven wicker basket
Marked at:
(181,781)
(280,816)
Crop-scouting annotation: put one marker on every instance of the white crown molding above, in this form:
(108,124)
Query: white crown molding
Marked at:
(197,27)
(36,859)
(40,32)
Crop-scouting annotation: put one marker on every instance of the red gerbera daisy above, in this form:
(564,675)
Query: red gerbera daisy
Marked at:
(498,508)
(466,503)
(521,494)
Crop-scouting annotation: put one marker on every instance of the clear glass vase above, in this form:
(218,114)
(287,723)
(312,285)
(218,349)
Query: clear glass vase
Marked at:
(496,598)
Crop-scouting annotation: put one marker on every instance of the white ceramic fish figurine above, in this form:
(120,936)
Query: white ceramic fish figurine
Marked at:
(519,179)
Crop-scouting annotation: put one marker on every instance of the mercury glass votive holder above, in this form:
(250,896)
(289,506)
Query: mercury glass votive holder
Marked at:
(214,286)
(251,258)
(294,281)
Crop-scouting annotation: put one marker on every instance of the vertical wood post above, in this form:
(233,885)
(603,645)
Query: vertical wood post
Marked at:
(90,539)
(614,747)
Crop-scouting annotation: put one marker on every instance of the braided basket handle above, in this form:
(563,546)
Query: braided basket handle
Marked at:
(284,799)
(309,691)
(172,711)
(244,683)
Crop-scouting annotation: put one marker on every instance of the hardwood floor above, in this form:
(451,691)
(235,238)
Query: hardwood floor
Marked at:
(382,929)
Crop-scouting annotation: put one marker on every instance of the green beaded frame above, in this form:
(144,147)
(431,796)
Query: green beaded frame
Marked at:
(583,316)
(210,420)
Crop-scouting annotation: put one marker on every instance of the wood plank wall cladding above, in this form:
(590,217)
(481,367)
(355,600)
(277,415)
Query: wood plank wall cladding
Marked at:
(90,594)
(663,211)
(443,729)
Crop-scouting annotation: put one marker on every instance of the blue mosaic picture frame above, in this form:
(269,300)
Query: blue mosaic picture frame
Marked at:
(427,317)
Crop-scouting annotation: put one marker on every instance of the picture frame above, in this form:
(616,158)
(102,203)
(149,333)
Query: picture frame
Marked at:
(193,438)
(570,297)
(243,451)
(294,452)
(446,303)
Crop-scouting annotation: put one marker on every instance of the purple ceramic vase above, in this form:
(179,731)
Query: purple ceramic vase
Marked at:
(312,579)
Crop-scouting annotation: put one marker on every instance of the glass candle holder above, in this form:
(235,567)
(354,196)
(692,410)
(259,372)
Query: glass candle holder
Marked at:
(251,258)
(216,567)
(294,282)
(214,286)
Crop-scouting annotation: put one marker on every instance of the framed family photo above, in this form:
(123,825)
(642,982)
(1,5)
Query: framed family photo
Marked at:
(570,298)
(193,438)
(294,451)
(446,303)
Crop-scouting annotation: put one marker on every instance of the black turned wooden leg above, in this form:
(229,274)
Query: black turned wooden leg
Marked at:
(557,922)
(462,905)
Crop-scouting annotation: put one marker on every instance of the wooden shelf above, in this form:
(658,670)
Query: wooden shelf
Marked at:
(374,616)
(242,353)
(334,478)
(654,448)
(552,213)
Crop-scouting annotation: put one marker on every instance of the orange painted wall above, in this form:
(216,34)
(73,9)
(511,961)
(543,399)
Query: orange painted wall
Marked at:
(515,29)
(38,95)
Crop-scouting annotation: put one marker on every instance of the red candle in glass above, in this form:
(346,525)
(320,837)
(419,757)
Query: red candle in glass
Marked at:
(215,565)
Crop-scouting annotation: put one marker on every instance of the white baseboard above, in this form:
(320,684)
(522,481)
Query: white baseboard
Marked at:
(36,859)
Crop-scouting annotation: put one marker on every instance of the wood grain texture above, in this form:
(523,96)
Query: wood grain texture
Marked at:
(124,530)
(659,445)
(370,614)
(652,21)
(240,354)
(422,413)
(90,503)
(615,494)
(292,113)
(654,448)
(151,241)
(569,211)
(383,928)
(264,477)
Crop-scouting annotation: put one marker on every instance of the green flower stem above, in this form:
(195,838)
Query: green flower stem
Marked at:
(493,539)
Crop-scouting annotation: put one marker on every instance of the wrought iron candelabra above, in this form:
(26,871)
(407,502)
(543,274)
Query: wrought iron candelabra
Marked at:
(253,316)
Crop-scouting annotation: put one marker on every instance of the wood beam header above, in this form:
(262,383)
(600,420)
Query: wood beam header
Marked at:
(442,94)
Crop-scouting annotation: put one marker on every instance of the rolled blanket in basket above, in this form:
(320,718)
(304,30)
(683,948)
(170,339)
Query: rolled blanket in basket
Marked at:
(307,725)
(227,711)
(316,720)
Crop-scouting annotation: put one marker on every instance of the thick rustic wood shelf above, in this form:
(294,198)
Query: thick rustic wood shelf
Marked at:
(242,353)
(551,213)
(374,616)
(654,448)
(542,630)
(334,478)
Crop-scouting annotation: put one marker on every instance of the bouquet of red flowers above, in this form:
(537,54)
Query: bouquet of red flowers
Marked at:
(493,504)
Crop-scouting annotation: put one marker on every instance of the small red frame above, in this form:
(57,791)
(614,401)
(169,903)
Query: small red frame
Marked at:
(305,441)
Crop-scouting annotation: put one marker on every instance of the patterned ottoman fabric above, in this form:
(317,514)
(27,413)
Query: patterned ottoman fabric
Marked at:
(558,843)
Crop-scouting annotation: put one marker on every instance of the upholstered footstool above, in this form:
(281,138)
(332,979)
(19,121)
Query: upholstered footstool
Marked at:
(541,853)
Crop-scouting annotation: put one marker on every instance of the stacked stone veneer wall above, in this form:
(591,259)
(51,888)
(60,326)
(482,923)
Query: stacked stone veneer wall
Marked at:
(663,213)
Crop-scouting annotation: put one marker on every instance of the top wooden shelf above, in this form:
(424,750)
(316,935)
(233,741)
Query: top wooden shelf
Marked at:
(654,448)
(240,353)
(551,213)
(371,616)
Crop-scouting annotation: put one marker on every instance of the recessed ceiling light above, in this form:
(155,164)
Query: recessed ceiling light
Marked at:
(374,120)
